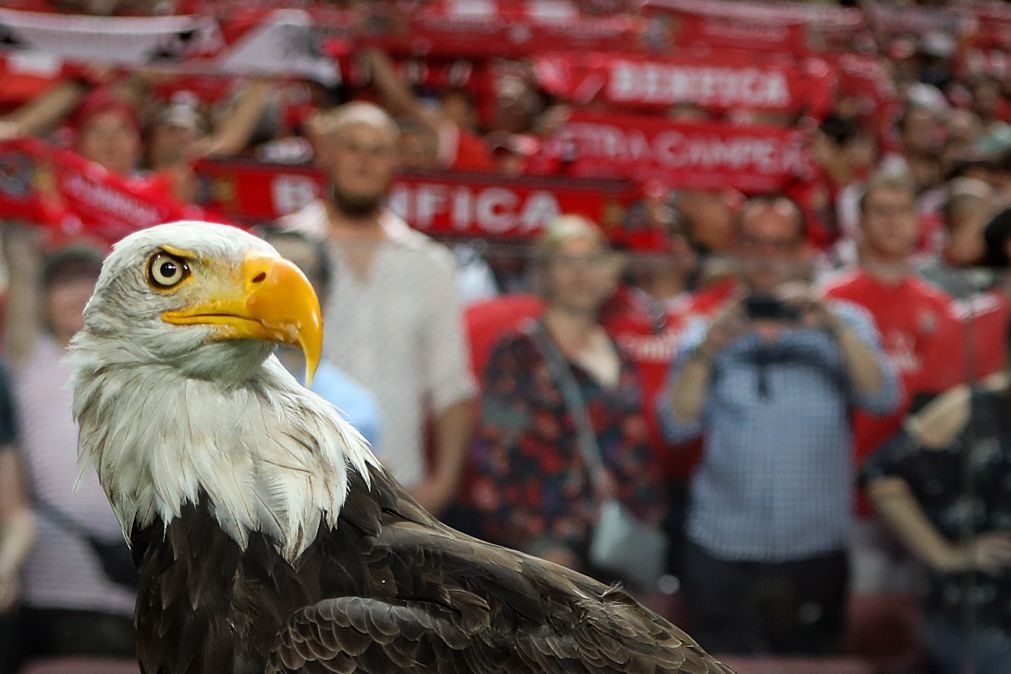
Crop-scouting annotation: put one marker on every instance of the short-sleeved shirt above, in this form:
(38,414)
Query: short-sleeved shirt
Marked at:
(935,477)
(399,332)
(919,333)
(916,321)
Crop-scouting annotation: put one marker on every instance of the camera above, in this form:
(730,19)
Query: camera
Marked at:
(767,307)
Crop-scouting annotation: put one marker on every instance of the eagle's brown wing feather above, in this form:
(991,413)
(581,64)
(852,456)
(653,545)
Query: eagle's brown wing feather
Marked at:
(439,601)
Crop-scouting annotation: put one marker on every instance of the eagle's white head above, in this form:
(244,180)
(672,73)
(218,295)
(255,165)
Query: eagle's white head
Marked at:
(178,396)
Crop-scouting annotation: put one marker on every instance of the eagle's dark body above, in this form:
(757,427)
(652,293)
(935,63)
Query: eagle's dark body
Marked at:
(390,589)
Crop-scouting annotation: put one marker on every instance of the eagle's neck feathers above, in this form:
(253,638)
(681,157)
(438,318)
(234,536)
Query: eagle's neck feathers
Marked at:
(267,453)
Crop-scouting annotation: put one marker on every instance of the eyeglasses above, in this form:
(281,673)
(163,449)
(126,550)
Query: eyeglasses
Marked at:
(590,260)
(755,243)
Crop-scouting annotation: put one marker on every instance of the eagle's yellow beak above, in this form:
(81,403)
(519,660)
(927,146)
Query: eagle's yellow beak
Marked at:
(267,298)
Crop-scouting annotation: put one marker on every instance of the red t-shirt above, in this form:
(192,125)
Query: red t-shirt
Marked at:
(650,334)
(710,299)
(488,320)
(983,330)
(919,332)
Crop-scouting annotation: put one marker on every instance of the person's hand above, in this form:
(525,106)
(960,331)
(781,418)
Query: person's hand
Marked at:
(728,324)
(9,130)
(989,553)
(814,311)
(606,486)
(434,494)
(22,245)
(9,589)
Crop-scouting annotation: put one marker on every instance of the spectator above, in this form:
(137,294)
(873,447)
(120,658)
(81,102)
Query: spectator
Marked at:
(177,137)
(985,301)
(354,401)
(967,206)
(171,148)
(707,220)
(986,99)
(17,529)
(458,146)
(71,606)
(918,329)
(394,292)
(921,136)
(532,487)
(419,145)
(40,115)
(771,387)
(917,482)
(173,137)
(837,149)
(647,319)
(109,133)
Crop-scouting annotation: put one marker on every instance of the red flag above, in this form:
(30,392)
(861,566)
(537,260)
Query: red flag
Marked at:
(60,190)
(441,203)
(691,155)
(717,83)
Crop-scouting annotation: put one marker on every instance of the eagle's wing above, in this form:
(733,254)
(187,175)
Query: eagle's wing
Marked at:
(368,636)
(438,601)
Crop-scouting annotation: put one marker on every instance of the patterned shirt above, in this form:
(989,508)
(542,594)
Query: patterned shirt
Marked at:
(935,478)
(775,481)
(399,332)
(530,481)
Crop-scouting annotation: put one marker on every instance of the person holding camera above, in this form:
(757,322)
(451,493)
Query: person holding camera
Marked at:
(770,382)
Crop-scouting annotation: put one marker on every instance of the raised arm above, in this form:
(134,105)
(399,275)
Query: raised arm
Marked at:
(397,95)
(41,115)
(22,319)
(234,132)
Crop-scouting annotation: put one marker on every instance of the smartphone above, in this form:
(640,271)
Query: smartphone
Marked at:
(767,307)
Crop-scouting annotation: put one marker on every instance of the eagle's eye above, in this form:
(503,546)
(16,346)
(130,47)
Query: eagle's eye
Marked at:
(166,271)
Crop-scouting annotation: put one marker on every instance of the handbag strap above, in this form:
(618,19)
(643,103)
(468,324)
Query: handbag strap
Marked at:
(561,373)
(61,519)
(54,514)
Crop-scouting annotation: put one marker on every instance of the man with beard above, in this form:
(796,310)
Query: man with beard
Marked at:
(394,304)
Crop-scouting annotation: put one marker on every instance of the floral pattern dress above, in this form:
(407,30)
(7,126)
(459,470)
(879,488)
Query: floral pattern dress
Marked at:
(530,484)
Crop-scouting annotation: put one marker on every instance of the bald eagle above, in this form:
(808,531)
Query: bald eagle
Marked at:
(266,535)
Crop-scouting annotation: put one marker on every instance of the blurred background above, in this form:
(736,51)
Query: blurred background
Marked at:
(740,267)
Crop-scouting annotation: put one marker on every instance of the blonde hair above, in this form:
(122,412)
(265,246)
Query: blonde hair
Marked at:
(557,233)
(562,229)
(899,181)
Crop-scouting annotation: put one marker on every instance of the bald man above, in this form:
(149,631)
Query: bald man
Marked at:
(397,321)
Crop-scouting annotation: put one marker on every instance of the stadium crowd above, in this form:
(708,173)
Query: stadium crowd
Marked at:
(791,380)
